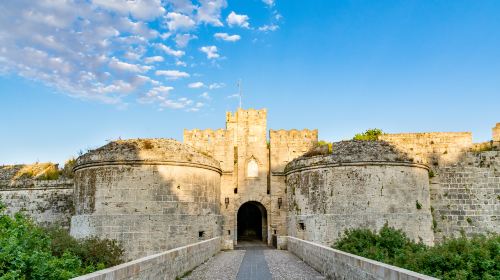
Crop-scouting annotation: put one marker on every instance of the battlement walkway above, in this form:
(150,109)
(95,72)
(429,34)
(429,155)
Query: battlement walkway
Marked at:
(254,261)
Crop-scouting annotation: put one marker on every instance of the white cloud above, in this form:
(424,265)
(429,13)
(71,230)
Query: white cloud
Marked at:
(205,95)
(176,21)
(179,103)
(105,50)
(210,51)
(233,19)
(123,66)
(270,27)
(156,95)
(216,86)
(180,63)
(227,37)
(139,9)
(196,85)
(182,40)
(270,3)
(153,59)
(172,74)
(170,51)
(209,12)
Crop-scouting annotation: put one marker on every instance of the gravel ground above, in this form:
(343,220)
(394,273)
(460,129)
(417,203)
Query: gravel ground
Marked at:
(223,266)
(285,265)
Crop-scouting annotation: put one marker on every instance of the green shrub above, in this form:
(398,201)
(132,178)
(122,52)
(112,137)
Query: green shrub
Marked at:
(454,258)
(92,251)
(369,135)
(28,251)
(67,170)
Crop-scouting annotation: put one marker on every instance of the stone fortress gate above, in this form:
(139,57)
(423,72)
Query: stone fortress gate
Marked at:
(253,198)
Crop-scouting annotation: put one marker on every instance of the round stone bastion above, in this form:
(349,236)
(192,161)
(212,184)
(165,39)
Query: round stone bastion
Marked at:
(150,194)
(361,184)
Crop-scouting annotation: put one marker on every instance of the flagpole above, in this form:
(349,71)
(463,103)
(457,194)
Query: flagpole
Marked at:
(239,91)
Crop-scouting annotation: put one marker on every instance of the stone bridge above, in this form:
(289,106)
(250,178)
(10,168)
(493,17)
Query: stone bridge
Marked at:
(301,260)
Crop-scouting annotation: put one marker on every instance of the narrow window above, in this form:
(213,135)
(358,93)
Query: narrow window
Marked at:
(252,169)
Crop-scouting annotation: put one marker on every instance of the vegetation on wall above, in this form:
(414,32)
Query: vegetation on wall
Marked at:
(28,251)
(325,143)
(67,170)
(454,258)
(369,135)
(322,148)
(40,170)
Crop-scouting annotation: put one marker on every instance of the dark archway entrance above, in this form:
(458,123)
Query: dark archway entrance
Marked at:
(252,221)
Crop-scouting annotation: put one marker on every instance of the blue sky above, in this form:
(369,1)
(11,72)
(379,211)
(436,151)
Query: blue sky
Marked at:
(76,74)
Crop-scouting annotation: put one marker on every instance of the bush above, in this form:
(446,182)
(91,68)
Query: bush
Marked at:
(454,258)
(369,135)
(92,251)
(28,251)
(67,170)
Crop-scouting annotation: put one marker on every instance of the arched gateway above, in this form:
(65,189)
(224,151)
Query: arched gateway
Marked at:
(252,222)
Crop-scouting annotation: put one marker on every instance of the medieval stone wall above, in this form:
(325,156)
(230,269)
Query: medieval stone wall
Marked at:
(434,149)
(362,184)
(466,197)
(49,203)
(285,146)
(151,196)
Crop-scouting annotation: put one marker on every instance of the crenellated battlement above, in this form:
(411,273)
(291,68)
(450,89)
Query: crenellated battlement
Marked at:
(282,135)
(496,133)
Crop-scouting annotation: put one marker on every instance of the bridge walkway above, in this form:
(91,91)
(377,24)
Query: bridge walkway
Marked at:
(254,261)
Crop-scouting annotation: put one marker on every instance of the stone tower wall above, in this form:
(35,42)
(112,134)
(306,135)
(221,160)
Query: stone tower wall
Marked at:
(151,195)
(149,208)
(361,185)
(285,146)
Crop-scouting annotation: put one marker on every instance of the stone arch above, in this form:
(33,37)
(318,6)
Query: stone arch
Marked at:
(251,221)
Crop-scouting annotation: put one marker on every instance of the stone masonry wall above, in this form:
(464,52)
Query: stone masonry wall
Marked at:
(168,265)
(362,184)
(149,208)
(335,264)
(434,149)
(285,146)
(47,202)
(466,196)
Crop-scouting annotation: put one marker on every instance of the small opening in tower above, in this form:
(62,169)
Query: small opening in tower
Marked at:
(178,187)
(201,233)
(302,226)
(235,190)
(274,231)
(228,232)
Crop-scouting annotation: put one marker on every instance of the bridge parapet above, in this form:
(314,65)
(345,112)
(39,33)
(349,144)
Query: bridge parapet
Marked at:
(335,264)
(167,265)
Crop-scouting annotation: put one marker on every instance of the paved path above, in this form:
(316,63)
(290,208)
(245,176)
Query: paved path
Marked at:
(254,261)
